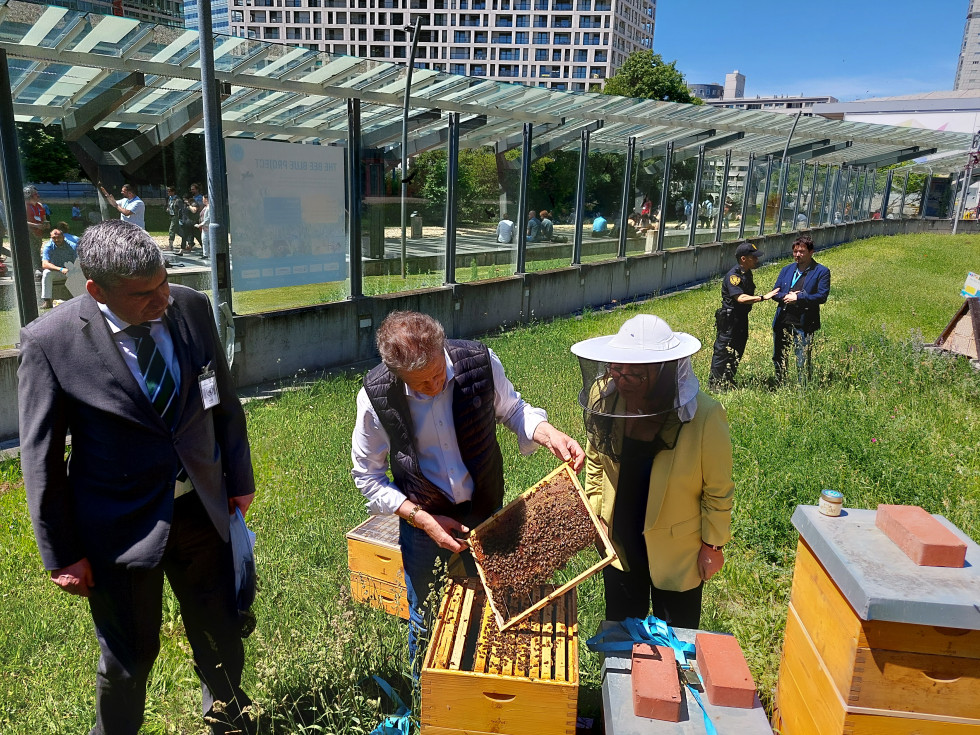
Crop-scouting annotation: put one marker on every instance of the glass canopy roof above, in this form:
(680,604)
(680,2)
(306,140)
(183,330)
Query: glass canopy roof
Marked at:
(76,69)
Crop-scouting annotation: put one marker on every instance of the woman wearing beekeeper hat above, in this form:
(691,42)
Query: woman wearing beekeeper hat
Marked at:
(658,469)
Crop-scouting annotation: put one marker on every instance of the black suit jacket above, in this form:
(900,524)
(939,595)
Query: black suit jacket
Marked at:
(112,501)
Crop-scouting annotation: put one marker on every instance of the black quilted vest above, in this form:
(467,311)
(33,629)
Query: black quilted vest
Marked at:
(475,424)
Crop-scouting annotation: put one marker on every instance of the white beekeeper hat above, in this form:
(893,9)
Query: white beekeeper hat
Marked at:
(645,338)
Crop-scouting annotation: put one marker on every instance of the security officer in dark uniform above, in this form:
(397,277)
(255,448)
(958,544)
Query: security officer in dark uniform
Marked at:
(732,319)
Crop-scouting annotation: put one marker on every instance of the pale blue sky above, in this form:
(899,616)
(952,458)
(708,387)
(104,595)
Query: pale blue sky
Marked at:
(851,49)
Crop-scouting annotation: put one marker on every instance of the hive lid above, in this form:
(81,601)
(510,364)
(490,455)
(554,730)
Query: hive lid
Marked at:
(380,530)
(880,581)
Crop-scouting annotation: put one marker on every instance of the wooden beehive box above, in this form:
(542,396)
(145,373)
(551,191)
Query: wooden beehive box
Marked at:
(477,679)
(511,611)
(875,644)
(374,559)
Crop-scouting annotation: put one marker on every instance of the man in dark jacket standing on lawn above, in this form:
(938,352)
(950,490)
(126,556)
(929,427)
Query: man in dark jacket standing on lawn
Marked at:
(800,289)
(135,371)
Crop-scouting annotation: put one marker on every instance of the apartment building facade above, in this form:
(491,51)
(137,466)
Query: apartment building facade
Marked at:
(560,44)
(164,12)
(968,67)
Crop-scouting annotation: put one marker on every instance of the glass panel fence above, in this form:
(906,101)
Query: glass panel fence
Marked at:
(648,182)
(604,175)
(487,200)
(551,193)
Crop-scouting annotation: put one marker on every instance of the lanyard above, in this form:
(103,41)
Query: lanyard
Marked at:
(796,277)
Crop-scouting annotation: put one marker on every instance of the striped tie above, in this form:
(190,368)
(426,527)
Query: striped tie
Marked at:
(159,381)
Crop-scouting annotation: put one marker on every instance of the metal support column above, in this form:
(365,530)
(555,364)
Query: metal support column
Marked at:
(355,191)
(665,186)
(812,195)
(745,197)
(799,194)
(520,221)
(416,32)
(959,206)
(765,198)
(901,204)
(452,173)
(696,204)
(625,208)
(832,211)
(886,194)
(723,197)
(214,153)
(821,219)
(783,187)
(583,162)
(13,194)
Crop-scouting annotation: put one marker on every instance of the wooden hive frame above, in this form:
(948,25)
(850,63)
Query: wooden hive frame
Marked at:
(603,546)
(477,678)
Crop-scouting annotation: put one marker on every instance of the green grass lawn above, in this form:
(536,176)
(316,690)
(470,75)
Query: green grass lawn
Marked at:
(882,422)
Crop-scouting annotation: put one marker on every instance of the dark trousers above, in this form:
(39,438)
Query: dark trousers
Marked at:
(632,595)
(786,337)
(126,607)
(733,332)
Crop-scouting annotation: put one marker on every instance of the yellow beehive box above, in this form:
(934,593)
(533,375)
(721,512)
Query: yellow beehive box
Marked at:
(478,679)
(844,673)
(374,559)
(510,612)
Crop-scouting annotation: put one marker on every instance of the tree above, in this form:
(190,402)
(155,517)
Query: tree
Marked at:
(45,155)
(645,75)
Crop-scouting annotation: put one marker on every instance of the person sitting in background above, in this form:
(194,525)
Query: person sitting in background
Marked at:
(76,212)
(658,469)
(58,252)
(599,225)
(547,227)
(533,227)
(505,230)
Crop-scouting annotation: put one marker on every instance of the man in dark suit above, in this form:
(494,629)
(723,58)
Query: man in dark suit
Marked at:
(800,289)
(157,462)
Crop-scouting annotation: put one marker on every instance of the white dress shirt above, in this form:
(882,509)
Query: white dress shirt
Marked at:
(435,437)
(127,346)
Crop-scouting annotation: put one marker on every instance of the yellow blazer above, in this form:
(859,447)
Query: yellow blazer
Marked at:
(690,500)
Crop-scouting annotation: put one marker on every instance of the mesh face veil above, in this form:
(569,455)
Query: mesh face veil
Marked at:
(637,384)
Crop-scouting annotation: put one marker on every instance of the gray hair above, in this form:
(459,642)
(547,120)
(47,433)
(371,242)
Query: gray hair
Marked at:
(113,250)
(409,341)
(29,191)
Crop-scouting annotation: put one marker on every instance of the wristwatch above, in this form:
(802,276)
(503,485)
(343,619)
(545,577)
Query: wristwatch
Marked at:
(411,516)
(712,546)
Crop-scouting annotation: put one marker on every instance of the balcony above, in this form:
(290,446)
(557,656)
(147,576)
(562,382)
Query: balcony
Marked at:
(542,39)
(507,71)
(478,71)
(563,39)
(459,53)
(502,38)
(561,22)
(504,23)
(591,39)
(509,55)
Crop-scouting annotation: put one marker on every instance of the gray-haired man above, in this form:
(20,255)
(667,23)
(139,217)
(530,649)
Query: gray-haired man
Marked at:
(154,470)
(430,412)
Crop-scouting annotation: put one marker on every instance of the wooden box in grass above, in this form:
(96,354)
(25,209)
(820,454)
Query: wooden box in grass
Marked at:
(874,643)
(558,500)
(478,679)
(374,559)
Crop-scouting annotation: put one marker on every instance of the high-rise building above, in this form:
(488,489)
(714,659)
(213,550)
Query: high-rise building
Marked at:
(561,44)
(220,18)
(968,68)
(165,12)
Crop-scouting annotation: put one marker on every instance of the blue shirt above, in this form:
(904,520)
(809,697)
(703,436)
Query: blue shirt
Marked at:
(59,256)
(599,224)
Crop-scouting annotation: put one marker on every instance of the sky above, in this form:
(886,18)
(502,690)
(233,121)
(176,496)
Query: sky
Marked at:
(849,49)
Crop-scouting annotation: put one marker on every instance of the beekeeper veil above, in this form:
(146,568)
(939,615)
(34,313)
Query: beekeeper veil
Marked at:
(642,375)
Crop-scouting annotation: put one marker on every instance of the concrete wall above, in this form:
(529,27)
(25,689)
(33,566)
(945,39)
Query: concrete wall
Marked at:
(278,345)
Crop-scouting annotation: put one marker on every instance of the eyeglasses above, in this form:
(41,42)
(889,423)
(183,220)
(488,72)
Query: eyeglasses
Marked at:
(617,373)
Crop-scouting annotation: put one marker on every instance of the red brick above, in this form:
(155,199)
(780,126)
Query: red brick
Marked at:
(726,677)
(925,540)
(656,686)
